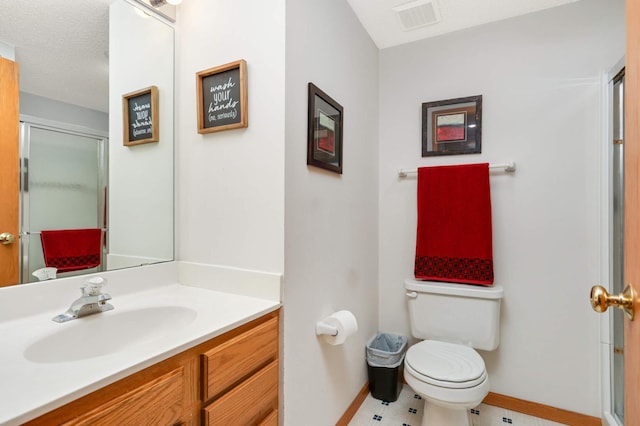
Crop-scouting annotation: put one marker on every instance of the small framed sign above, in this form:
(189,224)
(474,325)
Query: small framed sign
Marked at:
(452,126)
(222,97)
(324,139)
(140,113)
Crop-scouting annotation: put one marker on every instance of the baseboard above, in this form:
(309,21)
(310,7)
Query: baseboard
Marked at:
(534,409)
(353,408)
(541,411)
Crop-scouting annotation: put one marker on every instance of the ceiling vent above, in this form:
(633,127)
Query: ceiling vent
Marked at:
(418,13)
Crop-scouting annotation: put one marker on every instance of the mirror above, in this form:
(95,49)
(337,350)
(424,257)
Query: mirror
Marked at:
(77,60)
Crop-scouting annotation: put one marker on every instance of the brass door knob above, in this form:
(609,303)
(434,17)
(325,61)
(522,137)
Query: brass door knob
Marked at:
(601,300)
(7,238)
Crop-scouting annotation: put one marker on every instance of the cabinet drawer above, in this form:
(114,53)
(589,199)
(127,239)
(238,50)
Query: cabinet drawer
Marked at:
(271,419)
(238,358)
(158,402)
(249,403)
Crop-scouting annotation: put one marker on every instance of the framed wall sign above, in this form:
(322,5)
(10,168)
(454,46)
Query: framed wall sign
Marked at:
(452,126)
(324,140)
(222,97)
(140,116)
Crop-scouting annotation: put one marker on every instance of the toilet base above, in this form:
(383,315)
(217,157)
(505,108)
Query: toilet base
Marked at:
(438,415)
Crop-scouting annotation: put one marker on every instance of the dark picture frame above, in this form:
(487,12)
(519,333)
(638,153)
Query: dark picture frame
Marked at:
(222,97)
(324,140)
(452,126)
(140,116)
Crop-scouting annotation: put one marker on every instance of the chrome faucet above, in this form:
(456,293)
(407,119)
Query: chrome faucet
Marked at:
(93,301)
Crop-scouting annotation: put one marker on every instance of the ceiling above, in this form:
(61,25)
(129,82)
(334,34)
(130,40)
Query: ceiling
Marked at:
(386,29)
(60,44)
(64,43)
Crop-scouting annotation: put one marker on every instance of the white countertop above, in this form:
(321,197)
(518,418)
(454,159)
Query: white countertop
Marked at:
(33,383)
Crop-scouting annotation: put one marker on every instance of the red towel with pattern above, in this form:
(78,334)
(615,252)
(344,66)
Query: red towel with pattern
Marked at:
(454,234)
(71,249)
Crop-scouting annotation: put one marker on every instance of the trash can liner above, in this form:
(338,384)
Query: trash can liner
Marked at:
(385,365)
(386,350)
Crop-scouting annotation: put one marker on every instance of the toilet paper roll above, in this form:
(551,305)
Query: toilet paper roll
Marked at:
(344,322)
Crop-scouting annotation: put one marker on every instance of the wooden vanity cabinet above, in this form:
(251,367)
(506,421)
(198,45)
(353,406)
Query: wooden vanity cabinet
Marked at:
(157,402)
(231,379)
(240,377)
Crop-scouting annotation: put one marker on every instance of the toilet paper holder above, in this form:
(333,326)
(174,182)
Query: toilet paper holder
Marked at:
(322,328)
(337,327)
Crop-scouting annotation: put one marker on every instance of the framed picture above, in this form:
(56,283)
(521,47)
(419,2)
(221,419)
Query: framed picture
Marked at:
(222,97)
(453,126)
(324,140)
(140,116)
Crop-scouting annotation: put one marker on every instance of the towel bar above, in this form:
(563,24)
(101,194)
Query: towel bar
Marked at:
(27,233)
(508,167)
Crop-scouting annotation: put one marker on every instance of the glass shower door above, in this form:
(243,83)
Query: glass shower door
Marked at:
(63,187)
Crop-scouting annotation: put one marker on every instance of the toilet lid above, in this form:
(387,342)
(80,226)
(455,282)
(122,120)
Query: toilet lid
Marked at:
(446,364)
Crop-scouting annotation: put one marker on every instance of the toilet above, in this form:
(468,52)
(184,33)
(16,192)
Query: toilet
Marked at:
(452,320)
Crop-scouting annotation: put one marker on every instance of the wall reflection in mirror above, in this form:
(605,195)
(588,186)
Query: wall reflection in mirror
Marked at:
(87,202)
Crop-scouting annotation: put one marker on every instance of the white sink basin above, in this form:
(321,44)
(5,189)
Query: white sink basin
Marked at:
(107,333)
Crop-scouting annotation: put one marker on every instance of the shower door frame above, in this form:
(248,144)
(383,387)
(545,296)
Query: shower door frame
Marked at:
(27,122)
(609,416)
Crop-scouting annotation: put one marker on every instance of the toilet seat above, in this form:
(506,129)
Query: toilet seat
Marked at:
(446,365)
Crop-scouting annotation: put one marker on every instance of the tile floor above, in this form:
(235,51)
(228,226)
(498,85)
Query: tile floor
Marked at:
(407,411)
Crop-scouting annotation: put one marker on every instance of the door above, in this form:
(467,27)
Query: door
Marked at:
(9,172)
(64,178)
(629,299)
(632,210)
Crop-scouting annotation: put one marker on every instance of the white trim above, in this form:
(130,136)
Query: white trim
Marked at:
(609,420)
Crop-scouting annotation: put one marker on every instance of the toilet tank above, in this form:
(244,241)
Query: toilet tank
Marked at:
(458,313)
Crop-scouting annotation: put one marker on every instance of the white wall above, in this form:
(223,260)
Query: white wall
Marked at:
(540,78)
(7,51)
(49,109)
(331,220)
(141,179)
(241,191)
(231,185)
(230,202)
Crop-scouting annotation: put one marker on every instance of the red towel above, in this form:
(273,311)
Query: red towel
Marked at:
(454,241)
(71,249)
